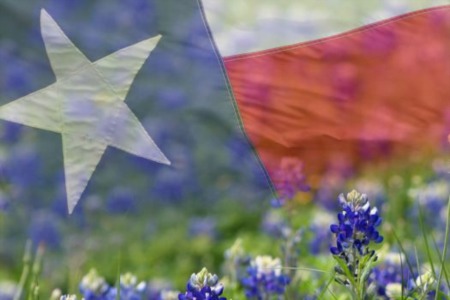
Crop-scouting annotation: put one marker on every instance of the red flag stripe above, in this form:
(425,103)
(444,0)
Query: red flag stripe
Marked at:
(375,90)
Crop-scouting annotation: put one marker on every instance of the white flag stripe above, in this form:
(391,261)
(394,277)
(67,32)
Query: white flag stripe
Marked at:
(246,26)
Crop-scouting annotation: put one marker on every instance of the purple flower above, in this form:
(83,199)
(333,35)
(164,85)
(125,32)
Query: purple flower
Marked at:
(264,278)
(93,286)
(289,179)
(391,272)
(356,229)
(236,262)
(130,289)
(320,232)
(357,225)
(203,286)
(432,198)
(7,290)
(274,224)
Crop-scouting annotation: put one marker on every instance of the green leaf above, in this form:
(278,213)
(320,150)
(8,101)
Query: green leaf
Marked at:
(348,274)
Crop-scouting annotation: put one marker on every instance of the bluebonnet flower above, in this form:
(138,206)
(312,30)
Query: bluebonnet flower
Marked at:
(265,278)
(320,232)
(93,286)
(203,286)
(357,228)
(7,290)
(357,225)
(394,290)
(425,281)
(290,249)
(432,197)
(289,179)
(130,288)
(274,224)
(423,286)
(374,190)
(57,295)
(236,262)
(389,274)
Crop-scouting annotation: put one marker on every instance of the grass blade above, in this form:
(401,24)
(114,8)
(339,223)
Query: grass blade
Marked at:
(441,260)
(444,252)
(25,271)
(411,269)
(325,289)
(118,276)
(427,247)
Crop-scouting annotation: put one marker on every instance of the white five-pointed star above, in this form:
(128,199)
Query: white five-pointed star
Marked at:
(86,105)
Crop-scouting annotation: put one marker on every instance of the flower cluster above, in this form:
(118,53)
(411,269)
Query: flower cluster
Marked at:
(236,262)
(319,230)
(386,277)
(432,199)
(203,286)
(424,284)
(264,278)
(130,289)
(289,179)
(68,297)
(94,287)
(357,226)
(7,290)
(356,229)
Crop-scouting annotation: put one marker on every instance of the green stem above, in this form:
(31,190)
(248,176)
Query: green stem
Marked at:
(25,271)
(358,269)
(35,271)
(444,251)
(356,290)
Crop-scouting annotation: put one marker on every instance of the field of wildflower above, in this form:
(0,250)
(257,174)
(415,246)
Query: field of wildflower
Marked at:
(382,234)
(207,227)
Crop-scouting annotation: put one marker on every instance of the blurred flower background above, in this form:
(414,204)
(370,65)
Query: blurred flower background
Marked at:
(132,207)
(213,207)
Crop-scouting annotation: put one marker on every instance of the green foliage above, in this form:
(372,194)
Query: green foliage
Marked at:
(169,251)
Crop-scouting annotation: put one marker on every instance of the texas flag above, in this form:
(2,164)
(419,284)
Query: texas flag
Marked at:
(240,96)
(320,81)
(301,84)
